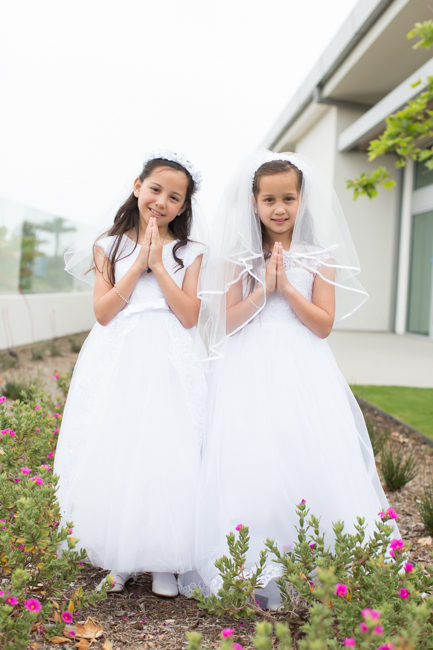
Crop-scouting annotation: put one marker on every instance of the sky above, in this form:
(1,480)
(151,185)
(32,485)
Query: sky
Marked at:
(89,86)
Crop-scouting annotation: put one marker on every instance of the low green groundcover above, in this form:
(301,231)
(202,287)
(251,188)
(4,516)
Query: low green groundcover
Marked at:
(411,405)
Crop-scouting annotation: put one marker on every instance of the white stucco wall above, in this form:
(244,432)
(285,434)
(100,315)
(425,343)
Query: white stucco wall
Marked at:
(320,142)
(52,314)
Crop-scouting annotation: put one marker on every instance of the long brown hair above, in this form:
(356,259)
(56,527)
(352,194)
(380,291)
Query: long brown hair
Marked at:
(269,169)
(128,219)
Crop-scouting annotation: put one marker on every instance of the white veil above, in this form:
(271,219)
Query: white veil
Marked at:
(321,240)
(79,257)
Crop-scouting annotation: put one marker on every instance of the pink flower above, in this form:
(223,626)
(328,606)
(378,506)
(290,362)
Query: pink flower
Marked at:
(228,631)
(56,430)
(11,600)
(21,547)
(57,415)
(349,642)
(2,399)
(371,613)
(382,515)
(33,605)
(12,433)
(17,480)
(378,629)
(38,430)
(67,617)
(2,593)
(80,563)
(4,431)
(404,593)
(396,543)
(38,480)
(312,546)
(3,522)
(363,627)
(236,646)
(392,513)
(340,589)
(408,566)
(239,528)
(71,632)
(303,501)
(47,467)
(25,470)
(37,408)
(56,376)
(51,454)
(70,531)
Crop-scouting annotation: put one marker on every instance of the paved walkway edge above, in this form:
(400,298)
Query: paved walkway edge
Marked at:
(364,402)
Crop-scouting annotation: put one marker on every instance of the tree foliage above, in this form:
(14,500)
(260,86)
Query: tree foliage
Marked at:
(407,131)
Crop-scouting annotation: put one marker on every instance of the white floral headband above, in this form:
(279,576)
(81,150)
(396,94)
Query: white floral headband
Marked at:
(180,158)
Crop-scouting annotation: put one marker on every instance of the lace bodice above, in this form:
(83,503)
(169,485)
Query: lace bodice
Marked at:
(147,294)
(277,309)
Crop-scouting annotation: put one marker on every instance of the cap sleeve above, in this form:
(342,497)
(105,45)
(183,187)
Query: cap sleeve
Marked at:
(193,250)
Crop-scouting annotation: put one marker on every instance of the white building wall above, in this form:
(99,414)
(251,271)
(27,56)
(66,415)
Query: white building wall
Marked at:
(319,143)
(40,317)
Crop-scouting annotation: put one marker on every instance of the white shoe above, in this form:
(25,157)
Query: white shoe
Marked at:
(119,578)
(164,584)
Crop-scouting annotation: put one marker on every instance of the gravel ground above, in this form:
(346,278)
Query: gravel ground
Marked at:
(137,619)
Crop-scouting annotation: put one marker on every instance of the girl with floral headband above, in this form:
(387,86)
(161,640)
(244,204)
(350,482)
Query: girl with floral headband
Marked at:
(129,449)
(283,425)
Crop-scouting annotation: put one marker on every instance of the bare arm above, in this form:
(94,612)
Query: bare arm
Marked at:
(182,302)
(319,314)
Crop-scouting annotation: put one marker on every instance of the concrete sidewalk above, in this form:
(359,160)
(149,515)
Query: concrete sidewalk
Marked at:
(383,358)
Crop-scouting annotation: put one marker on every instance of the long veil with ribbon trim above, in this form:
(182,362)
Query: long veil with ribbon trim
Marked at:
(321,243)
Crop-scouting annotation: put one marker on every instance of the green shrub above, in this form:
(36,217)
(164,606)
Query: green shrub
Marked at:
(398,468)
(31,529)
(378,437)
(37,354)
(425,507)
(362,589)
(21,389)
(55,350)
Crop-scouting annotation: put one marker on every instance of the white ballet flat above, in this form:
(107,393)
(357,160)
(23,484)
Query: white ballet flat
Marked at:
(119,580)
(164,584)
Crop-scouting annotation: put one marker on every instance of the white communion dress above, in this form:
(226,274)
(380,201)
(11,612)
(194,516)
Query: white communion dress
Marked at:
(283,425)
(129,450)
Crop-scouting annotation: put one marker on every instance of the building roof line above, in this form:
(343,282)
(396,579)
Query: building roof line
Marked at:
(360,20)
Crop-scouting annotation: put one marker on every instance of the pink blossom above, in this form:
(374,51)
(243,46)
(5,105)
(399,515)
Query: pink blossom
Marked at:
(392,513)
(33,605)
(71,632)
(80,563)
(312,546)
(403,593)
(21,547)
(2,593)
(378,629)
(17,480)
(56,430)
(11,600)
(38,480)
(303,501)
(363,627)
(47,467)
(374,614)
(58,406)
(37,408)
(70,531)
(2,399)
(238,527)
(12,432)
(25,470)
(392,554)
(228,631)
(236,646)
(349,642)
(3,522)
(57,415)
(67,617)
(38,430)
(340,589)
(382,515)
(396,543)
(51,454)
(56,376)
(408,566)
(4,431)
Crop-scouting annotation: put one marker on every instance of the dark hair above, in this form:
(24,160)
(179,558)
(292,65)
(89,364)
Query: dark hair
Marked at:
(269,169)
(128,218)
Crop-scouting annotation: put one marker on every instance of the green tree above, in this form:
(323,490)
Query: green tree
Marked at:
(406,131)
(56,226)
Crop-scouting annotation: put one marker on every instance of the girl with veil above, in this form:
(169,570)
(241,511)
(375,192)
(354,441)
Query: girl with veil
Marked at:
(128,456)
(283,424)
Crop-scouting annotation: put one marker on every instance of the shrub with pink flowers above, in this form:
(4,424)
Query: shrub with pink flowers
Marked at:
(31,529)
(356,593)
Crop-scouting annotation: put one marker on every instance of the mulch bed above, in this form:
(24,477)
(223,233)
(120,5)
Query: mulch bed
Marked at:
(139,620)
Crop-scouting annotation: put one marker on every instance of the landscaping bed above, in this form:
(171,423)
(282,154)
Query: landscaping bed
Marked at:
(138,619)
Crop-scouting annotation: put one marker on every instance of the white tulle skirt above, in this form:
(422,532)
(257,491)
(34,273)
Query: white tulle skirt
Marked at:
(283,426)
(129,450)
